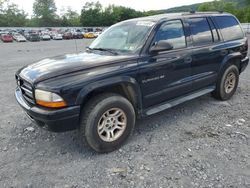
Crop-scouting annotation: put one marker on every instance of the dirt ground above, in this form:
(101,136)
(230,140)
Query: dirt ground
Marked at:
(201,143)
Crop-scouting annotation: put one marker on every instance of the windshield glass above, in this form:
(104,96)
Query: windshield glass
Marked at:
(124,37)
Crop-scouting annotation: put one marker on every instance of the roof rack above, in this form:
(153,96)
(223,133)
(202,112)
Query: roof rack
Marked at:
(194,12)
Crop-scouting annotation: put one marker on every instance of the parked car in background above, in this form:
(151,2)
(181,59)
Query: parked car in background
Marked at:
(19,38)
(57,36)
(26,34)
(67,35)
(96,34)
(246,27)
(33,37)
(45,37)
(77,34)
(89,35)
(6,38)
(89,30)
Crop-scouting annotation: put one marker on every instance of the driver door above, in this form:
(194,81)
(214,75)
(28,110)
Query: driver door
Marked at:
(166,75)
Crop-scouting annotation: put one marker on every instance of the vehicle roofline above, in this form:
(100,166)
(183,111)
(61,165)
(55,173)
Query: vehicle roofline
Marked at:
(167,16)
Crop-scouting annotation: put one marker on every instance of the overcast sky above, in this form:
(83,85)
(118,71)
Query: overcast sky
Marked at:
(135,4)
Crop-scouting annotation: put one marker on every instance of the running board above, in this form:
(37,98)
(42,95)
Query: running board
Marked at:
(179,100)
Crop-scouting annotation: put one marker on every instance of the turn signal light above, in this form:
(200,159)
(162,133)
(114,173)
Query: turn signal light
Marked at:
(59,104)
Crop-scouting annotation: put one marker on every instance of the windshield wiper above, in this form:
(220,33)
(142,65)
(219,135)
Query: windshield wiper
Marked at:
(104,50)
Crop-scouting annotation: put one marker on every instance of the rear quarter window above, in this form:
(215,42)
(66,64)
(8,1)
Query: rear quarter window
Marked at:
(229,27)
(201,31)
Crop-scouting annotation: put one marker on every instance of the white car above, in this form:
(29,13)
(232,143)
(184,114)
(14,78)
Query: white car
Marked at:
(57,36)
(45,37)
(19,38)
(246,27)
(97,33)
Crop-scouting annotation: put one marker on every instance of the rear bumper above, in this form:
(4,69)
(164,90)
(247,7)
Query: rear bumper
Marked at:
(7,40)
(243,64)
(58,120)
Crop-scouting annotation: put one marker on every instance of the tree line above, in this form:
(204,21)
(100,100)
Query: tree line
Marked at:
(45,15)
(241,11)
(94,14)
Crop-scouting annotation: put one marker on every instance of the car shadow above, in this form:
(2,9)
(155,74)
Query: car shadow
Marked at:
(149,124)
(70,141)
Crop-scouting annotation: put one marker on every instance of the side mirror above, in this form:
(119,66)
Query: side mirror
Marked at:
(160,46)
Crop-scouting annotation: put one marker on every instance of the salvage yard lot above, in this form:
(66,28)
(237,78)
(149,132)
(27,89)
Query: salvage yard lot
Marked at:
(201,143)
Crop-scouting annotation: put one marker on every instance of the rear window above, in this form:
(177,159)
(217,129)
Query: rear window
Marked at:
(200,30)
(230,28)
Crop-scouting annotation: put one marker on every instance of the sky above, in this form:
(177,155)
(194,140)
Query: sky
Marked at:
(135,4)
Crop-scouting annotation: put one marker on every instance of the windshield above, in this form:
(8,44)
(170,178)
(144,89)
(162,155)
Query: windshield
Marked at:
(124,37)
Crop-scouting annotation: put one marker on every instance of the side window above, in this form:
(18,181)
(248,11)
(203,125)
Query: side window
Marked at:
(230,28)
(200,30)
(172,32)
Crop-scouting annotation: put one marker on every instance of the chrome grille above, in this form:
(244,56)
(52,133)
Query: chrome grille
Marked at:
(27,90)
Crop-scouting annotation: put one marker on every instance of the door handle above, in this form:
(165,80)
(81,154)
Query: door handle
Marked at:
(188,60)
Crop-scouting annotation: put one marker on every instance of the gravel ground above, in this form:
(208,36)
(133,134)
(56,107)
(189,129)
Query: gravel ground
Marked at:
(202,143)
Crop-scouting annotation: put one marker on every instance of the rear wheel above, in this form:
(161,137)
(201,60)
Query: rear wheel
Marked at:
(107,121)
(227,83)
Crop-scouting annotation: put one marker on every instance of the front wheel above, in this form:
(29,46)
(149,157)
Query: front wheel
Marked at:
(107,121)
(227,83)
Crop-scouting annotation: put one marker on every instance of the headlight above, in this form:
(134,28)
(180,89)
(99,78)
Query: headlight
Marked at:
(49,99)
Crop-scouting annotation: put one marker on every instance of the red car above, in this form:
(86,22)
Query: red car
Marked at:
(6,38)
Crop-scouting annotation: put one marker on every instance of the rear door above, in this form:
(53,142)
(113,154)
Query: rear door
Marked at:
(207,52)
(232,34)
(165,75)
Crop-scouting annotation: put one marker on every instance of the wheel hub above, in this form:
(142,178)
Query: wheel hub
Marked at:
(230,82)
(112,125)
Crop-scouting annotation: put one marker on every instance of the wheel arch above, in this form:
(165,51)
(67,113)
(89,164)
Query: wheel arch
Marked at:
(126,86)
(233,58)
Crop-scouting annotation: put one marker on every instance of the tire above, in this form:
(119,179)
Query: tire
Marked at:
(224,90)
(97,124)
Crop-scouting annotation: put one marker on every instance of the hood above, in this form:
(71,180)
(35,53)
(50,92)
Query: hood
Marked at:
(53,67)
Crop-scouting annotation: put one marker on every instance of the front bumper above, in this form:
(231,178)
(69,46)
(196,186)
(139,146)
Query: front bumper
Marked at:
(243,64)
(57,120)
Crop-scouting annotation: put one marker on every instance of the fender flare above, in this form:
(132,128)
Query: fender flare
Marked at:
(87,89)
(228,58)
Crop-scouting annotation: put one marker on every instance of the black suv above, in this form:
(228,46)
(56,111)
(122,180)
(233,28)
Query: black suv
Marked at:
(134,69)
(33,37)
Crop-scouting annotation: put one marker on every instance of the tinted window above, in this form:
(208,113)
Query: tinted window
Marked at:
(172,32)
(230,28)
(201,31)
